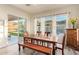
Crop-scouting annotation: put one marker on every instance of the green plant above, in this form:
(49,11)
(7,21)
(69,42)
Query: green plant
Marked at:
(73,21)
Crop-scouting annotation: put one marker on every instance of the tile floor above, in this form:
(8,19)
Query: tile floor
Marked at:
(13,50)
(11,40)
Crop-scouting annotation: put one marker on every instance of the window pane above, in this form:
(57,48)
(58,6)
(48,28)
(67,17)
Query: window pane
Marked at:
(61,23)
(39,25)
(21,25)
(48,24)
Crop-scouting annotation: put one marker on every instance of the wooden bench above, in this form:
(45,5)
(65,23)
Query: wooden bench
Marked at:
(36,46)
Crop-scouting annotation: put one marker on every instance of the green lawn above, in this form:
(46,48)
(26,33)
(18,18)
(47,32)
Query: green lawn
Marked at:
(16,34)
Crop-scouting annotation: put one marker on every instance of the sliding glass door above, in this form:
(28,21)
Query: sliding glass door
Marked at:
(16,28)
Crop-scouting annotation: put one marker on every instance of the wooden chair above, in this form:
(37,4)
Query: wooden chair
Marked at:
(38,33)
(60,42)
(46,34)
(26,34)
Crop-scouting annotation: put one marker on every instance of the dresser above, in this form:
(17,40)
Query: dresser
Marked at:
(72,38)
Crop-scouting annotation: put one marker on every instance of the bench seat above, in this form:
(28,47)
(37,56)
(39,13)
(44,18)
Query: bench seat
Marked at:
(39,48)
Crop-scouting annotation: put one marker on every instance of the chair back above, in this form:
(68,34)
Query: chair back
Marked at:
(61,39)
(38,33)
(26,34)
(46,34)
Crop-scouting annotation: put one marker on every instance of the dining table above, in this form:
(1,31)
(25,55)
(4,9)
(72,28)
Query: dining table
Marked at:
(42,39)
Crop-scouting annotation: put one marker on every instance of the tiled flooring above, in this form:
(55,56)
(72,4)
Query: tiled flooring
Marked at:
(11,40)
(13,50)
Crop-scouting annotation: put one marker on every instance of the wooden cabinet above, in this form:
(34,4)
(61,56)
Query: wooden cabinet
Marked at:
(72,38)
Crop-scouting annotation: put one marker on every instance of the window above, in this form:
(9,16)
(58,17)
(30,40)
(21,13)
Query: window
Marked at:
(38,25)
(21,26)
(48,24)
(60,23)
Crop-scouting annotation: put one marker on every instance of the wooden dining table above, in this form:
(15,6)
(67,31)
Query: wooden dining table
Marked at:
(42,40)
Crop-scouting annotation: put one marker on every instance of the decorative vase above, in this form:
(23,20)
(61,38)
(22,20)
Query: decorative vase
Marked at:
(73,26)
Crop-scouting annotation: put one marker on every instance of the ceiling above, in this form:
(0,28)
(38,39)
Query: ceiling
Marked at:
(38,8)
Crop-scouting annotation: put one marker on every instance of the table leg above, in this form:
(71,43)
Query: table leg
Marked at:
(53,49)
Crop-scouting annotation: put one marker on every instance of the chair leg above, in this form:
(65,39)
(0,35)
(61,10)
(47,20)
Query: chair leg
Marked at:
(19,47)
(23,47)
(62,52)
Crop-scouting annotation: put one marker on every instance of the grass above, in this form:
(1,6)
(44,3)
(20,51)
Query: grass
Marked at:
(16,34)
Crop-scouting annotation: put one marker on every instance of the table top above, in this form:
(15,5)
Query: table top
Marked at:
(47,39)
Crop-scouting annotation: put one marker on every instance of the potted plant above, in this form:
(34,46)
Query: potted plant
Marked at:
(73,21)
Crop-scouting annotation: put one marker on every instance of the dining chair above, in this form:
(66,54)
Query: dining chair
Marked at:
(26,34)
(60,42)
(46,34)
(38,33)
